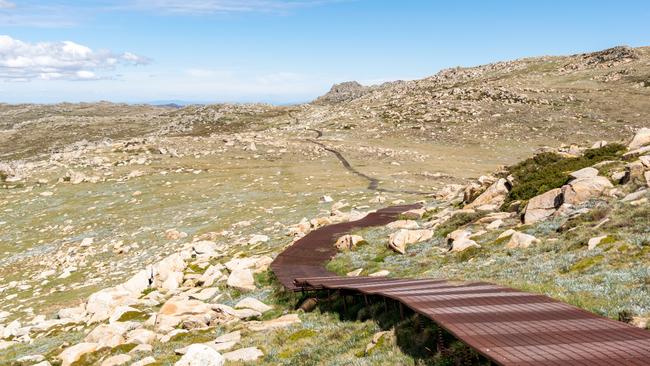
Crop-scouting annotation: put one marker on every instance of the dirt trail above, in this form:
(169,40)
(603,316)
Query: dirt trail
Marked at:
(373,183)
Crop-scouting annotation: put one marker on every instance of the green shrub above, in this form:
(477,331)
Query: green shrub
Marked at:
(549,170)
(586,263)
(303,333)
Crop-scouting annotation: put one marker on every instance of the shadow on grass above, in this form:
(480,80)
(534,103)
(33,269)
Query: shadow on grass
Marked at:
(416,335)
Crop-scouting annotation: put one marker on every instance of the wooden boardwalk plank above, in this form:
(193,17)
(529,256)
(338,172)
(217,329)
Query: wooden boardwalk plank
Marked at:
(507,326)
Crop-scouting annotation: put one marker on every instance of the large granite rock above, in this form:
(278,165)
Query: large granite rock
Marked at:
(580,190)
(543,206)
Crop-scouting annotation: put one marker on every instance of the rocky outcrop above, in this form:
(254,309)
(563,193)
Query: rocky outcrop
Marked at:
(343,92)
(493,197)
(543,206)
(583,189)
(634,172)
(641,139)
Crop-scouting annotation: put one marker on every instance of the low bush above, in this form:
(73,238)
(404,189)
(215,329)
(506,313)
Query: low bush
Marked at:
(549,170)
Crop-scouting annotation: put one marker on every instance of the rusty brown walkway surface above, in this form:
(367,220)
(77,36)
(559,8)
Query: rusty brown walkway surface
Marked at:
(507,326)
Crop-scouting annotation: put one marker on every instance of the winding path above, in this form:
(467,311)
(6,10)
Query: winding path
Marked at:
(507,326)
(373,183)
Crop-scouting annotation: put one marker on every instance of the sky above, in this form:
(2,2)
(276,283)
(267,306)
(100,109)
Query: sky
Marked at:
(280,51)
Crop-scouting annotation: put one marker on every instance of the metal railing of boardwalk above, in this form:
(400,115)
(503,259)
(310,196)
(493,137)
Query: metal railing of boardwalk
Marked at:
(507,326)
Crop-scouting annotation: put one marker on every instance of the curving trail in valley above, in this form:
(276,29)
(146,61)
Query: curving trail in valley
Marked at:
(507,326)
(373,183)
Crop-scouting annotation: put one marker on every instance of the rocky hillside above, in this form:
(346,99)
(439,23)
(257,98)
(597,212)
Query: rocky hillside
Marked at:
(142,235)
(541,101)
(536,99)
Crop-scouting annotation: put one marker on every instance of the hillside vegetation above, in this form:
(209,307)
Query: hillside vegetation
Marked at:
(135,234)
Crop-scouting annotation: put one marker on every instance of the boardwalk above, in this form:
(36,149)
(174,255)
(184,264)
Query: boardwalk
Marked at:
(507,326)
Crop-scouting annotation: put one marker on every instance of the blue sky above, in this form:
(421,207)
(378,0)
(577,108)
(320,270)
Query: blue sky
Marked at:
(280,51)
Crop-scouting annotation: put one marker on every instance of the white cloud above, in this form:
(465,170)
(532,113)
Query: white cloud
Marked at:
(58,60)
(4,4)
(227,6)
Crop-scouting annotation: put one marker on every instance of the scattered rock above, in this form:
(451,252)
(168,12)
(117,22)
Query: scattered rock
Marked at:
(142,348)
(414,214)
(493,197)
(459,240)
(587,172)
(120,311)
(543,206)
(116,360)
(31,359)
(581,190)
(243,354)
(110,335)
(403,224)
(381,273)
(103,303)
(86,242)
(634,172)
(145,361)
(76,314)
(173,333)
(593,242)
(641,139)
(375,340)
(348,242)
(253,304)
(258,238)
(281,322)
(201,355)
(237,313)
(640,322)
(177,306)
(521,240)
(205,294)
(494,224)
(354,273)
(141,336)
(242,279)
(6,344)
(398,240)
(173,234)
(72,354)
(599,144)
(635,195)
